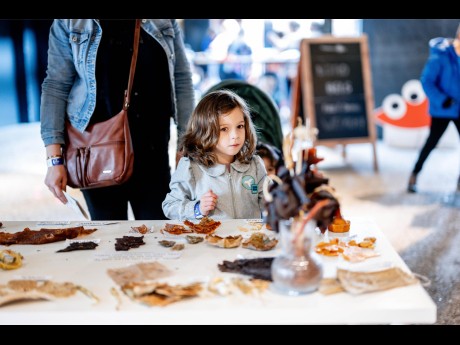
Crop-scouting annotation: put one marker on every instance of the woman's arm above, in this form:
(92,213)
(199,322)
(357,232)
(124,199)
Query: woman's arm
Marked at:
(183,82)
(55,91)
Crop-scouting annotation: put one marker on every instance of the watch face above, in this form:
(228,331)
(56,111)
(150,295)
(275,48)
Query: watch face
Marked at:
(198,214)
(55,161)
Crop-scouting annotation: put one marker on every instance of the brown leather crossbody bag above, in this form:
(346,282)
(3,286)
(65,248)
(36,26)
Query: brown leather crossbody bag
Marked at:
(102,155)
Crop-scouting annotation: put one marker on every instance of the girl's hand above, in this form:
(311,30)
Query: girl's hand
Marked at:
(208,202)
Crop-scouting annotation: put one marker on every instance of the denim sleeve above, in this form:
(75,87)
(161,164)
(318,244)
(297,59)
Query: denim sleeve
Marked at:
(60,76)
(185,101)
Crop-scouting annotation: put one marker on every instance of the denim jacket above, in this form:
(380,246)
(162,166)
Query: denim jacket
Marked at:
(70,85)
(239,192)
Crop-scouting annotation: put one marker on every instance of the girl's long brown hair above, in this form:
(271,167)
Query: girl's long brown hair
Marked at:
(203,130)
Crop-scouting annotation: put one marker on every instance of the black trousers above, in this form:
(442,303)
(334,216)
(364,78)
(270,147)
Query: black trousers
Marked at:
(437,129)
(145,191)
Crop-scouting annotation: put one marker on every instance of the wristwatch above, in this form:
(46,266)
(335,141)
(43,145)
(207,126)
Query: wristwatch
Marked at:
(198,214)
(55,160)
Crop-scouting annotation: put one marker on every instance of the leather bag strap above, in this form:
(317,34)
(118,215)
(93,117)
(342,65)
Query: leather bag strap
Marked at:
(132,70)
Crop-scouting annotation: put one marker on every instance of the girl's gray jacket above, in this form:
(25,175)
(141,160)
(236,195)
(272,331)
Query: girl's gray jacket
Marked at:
(239,191)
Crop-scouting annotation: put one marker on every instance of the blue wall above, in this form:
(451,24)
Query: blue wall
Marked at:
(8,99)
(23,58)
(398,50)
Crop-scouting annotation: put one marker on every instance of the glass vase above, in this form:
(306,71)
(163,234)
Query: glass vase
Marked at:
(298,269)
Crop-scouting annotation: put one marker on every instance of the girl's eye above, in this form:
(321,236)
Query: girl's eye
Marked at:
(223,129)
(240,126)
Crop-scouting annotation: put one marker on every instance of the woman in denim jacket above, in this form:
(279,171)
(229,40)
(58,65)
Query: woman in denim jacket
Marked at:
(88,67)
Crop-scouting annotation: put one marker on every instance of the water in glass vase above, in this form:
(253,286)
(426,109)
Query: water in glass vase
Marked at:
(297,270)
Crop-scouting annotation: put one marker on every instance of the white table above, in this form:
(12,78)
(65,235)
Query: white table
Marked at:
(198,262)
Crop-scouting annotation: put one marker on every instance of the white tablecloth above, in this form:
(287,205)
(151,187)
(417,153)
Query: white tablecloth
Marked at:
(198,262)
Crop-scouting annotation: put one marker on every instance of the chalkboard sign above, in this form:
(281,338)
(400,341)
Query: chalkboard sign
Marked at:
(334,90)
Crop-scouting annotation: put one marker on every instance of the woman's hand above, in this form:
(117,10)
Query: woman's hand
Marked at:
(56,181)
(208,202)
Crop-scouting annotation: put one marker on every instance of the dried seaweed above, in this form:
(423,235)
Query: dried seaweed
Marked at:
(128,242)
(79,246)
(259,268)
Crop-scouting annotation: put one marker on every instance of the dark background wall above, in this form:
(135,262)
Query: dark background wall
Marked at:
(398,50)
(23,60)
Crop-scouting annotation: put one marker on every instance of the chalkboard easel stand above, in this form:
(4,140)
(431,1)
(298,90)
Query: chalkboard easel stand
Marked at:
(333,90)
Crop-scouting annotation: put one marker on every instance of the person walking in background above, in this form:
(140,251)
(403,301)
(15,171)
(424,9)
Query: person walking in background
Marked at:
(219,176)
(233,67)
(441,83)
(88,67)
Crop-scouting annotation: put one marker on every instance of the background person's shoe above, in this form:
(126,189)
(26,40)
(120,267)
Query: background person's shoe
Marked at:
(412,186)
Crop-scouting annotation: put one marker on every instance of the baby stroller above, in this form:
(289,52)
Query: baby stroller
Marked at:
(264,112)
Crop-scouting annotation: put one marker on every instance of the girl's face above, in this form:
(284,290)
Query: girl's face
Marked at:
(232,136)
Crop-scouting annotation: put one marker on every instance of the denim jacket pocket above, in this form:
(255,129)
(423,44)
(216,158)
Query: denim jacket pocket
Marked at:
(79,43)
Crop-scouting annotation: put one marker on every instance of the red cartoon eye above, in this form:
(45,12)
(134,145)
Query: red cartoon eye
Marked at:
(412,92)
(394,106)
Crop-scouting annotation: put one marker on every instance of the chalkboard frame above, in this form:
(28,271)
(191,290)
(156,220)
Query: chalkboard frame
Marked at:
(303,92)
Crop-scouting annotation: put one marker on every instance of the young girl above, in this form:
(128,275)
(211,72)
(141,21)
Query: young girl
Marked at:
(219,176)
